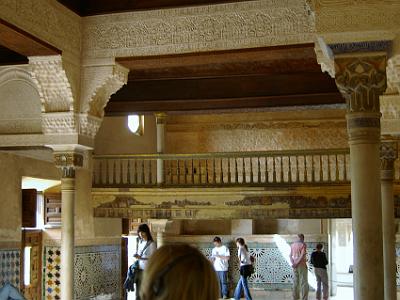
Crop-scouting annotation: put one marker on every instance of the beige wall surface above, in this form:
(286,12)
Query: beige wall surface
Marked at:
(114,137)
(261,131)
(12,168)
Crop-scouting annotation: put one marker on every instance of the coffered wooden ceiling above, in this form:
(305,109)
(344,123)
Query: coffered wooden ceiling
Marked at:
(96,7)
(247,78)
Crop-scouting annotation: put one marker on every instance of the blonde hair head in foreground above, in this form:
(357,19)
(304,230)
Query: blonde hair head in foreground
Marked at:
(179,271)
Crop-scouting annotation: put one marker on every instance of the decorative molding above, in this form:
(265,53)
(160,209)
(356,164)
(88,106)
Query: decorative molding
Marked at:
(67,123)
(51,79)
(199,28)
(255,207)
(357,47)
(324,58)
(99,83)
(361,80)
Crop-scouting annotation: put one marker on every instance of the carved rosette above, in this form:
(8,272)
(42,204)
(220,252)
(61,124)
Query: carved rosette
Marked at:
(361,80)
(68,162)
(52,82)
(388,155)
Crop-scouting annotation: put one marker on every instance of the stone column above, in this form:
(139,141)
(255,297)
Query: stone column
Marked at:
(161,119)
(361,78)
(67,162)
(388,156)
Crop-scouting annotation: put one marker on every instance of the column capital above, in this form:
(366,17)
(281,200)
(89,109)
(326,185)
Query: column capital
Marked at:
(68,162)
(388,155)
(361,80)
(161,117)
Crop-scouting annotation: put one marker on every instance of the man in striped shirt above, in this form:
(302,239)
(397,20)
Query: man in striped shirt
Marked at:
(298,252)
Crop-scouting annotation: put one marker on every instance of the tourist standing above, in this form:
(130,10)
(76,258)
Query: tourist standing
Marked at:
(319,261)
(146,247)
(298,252)
(245,270)
(220,256)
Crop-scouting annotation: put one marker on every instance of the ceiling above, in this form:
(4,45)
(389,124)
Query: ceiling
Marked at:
(97,7)
(247,78)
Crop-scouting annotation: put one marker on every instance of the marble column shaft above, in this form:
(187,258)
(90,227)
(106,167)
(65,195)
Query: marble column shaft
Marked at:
(67,162)
(160,123)
(361,79)
(389,152)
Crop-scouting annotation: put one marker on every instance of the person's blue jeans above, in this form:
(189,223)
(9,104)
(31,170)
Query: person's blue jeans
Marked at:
(223,282)
(242,284)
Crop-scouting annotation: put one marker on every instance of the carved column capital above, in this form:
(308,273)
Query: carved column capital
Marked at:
(388,155)
(161,118)
(68,162)
(361,80)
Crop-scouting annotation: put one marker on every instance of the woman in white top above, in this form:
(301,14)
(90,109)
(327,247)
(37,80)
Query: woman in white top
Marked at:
(245,270)
(146,247)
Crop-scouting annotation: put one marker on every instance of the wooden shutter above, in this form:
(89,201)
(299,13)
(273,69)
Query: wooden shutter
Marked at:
(52,208)
(29,207)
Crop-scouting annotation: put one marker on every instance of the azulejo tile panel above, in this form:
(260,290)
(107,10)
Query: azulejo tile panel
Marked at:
(10,262)
(97,272)
(51,273)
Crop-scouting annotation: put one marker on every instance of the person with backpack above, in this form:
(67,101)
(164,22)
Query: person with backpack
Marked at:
(146,247)
(246,269)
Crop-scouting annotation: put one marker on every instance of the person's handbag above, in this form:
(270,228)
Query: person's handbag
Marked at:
(129,283)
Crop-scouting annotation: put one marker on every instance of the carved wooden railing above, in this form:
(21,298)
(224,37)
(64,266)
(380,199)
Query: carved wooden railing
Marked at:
(273,168)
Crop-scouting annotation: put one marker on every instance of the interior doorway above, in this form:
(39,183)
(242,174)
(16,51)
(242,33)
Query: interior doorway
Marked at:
(341,254)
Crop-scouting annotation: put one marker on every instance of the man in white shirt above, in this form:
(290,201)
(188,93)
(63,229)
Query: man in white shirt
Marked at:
(220,256)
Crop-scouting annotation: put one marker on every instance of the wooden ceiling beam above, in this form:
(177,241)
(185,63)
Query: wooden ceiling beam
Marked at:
(151,106)
(22,42)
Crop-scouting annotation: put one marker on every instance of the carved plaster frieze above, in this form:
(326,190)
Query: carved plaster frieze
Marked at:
(357,18)
(393,75)
(390,107)
(70,123)
(46,19)
(200,28)
(99,83)
(51,79)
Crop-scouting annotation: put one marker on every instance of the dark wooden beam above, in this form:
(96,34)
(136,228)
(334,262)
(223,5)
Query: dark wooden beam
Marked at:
(96,7)
(146,107)
(23,42)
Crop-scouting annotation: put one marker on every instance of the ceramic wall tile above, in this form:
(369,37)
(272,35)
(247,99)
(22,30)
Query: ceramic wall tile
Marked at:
(10,262)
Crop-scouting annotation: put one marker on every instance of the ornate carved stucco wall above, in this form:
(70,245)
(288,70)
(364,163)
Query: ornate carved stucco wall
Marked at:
(284,130)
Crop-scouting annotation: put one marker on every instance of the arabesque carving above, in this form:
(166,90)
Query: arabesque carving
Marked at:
(388,154)
(201,28)
(361,80)
(393,75)
(99,83)
(53,85)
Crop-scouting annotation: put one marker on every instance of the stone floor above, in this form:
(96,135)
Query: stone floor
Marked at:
(342,294)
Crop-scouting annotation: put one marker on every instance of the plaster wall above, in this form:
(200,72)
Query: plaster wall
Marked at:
(281,226)
(12,168)
(261,131)
(114,137)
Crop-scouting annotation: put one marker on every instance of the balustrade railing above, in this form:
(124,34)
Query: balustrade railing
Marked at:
(273,168)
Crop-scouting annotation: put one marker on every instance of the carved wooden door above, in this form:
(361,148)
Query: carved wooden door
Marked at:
(31,281)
